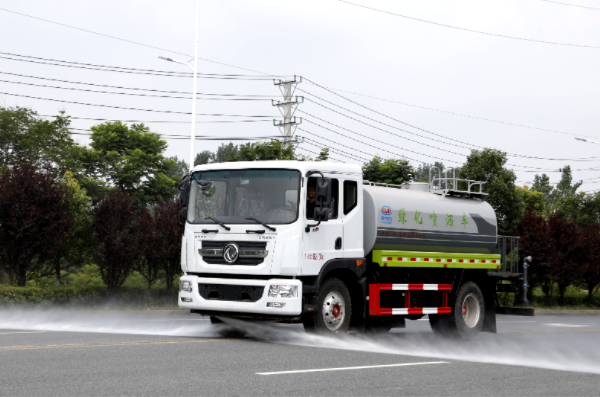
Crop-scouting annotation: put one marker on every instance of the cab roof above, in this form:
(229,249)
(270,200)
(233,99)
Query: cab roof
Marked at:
(302,166)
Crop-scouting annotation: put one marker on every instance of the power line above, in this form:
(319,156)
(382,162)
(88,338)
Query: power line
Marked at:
(185,137)
(429,132)
(133,88)
(163,74)
(471,30)
(318,154)
(163,121)
(130,41)
(129,94)
(364,143)
(458,114)
(346,153)
(132,69)
(370,138)
(571,5)
(137,109)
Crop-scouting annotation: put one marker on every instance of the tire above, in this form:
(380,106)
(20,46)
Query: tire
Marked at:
(438,324)
(466,319)
(334,308)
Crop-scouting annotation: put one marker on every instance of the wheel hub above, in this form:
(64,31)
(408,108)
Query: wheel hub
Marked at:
(334,311)
(471,310)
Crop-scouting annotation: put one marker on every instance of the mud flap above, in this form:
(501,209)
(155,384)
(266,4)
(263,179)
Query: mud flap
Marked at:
(489,317)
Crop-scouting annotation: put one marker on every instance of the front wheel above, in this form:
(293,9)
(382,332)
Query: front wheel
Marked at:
(334,308)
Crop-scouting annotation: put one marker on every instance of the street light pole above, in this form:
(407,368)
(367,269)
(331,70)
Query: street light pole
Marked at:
(194,90)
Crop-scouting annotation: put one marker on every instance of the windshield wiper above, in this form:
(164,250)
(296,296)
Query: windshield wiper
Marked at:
(264,224)
(219,222)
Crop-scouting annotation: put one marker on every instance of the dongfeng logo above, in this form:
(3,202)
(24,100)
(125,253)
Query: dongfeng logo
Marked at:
(385,210)
(231,253)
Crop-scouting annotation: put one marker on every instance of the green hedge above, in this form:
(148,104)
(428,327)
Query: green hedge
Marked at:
(87,296)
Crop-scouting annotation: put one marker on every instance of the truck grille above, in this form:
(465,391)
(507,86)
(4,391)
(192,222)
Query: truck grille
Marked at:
(239,293)
(243,245)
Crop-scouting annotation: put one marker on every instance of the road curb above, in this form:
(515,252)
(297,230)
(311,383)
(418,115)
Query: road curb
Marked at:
(559,311)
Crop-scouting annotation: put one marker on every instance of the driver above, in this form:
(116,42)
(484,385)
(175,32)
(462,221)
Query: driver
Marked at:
(311,202)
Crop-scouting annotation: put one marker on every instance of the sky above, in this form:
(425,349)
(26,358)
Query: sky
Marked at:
(394,86)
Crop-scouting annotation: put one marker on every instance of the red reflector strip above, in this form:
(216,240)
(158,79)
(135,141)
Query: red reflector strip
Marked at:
(415,287)
(385,312)
(438,260)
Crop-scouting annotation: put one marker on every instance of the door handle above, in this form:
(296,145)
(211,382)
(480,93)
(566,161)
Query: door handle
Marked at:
(338,243)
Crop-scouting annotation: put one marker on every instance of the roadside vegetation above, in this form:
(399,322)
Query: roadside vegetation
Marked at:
(97,226)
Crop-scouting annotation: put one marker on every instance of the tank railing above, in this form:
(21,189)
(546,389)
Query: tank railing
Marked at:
(508,248)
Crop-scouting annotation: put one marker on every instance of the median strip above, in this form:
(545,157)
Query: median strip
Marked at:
(299,371)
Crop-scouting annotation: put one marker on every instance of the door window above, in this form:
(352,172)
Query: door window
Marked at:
(350,196)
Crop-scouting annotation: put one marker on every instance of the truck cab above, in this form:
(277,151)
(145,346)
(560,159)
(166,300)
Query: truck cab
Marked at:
(252,250)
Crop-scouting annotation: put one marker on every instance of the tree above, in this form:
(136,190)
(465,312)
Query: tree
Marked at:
(536,242)
(149,263)
(117,231)
(532,200)
(323,155)
(488,166)
(169,232)
(34,216)
(131,159)
(79,242)
(590,271)
(258,151)
(568,253)
(204,157)
(24,135)
(392,171)
(422,172)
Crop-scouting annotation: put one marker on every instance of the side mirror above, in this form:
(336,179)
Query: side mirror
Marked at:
(321,214)
(323,192)
(184,191)
(184,198)
(182,216)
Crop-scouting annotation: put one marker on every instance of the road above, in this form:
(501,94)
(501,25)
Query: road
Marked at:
(65,353)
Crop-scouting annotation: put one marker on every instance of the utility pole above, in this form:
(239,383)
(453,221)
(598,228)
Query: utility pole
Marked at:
(287,107)
(194,94)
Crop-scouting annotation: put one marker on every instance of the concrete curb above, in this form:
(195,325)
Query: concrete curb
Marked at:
(559,311)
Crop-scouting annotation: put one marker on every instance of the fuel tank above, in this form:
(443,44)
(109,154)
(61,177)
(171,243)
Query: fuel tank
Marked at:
(410,220)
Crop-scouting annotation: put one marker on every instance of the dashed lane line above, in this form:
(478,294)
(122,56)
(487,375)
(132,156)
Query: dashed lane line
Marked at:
(137,343)
(299,371)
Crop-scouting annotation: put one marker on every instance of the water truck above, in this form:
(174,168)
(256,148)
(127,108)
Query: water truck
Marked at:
(313,243)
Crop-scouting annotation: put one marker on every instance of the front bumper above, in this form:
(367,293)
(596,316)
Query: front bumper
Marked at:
(293,306)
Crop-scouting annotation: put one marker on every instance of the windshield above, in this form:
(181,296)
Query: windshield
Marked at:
(271,196)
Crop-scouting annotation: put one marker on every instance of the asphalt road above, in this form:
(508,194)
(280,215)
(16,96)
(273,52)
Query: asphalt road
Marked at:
(63,353)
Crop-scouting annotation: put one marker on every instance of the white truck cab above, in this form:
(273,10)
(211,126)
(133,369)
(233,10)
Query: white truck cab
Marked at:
(250,246)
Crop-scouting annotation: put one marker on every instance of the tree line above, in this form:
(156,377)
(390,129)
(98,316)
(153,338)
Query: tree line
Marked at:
(114,203)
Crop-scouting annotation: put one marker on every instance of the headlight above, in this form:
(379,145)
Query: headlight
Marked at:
(185,286)
(283,291)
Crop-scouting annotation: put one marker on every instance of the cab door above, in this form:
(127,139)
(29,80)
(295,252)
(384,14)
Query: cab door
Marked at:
(352,216)
(324,242)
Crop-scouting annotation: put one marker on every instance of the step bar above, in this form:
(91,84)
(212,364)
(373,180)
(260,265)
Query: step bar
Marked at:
(375,308)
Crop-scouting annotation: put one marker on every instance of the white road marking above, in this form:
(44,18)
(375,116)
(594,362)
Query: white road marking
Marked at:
(299,371)
(566,325)
(22,332)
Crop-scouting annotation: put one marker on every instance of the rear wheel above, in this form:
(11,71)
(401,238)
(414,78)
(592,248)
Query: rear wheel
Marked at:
(334,309)
(466,319)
